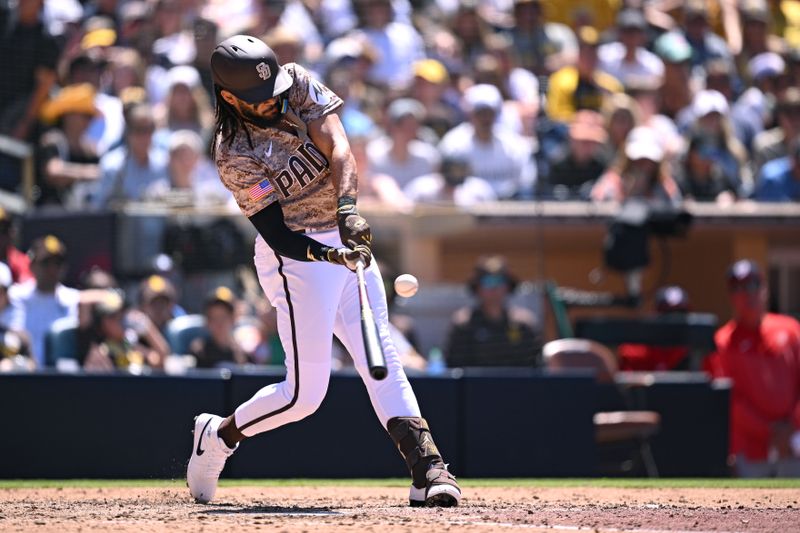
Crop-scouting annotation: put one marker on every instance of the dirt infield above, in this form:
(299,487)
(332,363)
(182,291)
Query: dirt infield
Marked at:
(377,509)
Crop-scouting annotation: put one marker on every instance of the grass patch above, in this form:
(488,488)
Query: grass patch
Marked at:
(398,482)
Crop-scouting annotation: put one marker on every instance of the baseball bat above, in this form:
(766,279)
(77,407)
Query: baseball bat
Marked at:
(376,361)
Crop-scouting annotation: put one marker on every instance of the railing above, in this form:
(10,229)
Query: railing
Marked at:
(24,152)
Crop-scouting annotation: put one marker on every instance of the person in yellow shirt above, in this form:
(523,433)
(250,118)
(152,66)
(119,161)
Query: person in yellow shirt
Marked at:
(599,14)
(582,86)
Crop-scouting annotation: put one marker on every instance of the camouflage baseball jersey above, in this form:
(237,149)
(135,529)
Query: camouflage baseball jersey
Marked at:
(283,166)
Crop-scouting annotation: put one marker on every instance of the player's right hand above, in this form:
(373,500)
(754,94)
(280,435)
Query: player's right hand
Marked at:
(349,258)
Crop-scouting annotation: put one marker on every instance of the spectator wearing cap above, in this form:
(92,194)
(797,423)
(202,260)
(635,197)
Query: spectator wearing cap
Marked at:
(675,52)
(186,106)
(671,300)
(99,33)
(627,57)
(747,116)
(431,87)
(112,338)
(702,178)
(776,142)
(640,172)
(755,20)
(706,45)
(158,299)
(583,86)
(65,157)
(768,74)
(17,261)
(401,153)
(544,46)
(779,179)
(711,121)
(106,128)
(499,156)
(38,302)
(348,61)
(397,43)
(130,170)
(220,347)
(758,351)
(452,184)
(575,172)
(646,91)
(492,332)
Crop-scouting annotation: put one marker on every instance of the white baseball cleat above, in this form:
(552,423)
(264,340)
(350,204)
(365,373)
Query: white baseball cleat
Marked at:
(209,454)
(441,490)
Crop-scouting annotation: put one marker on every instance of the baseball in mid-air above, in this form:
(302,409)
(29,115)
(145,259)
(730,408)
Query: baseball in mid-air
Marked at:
(406,285)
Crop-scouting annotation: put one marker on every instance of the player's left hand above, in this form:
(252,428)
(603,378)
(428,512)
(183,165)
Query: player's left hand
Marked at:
(353,229)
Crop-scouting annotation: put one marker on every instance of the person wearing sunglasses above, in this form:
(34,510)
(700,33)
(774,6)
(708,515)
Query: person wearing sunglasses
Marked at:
(37,303)
(760,352)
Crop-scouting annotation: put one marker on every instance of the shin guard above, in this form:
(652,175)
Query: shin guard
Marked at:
(413,439)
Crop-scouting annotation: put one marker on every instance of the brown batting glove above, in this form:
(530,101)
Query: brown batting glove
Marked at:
(353,229)
(348,257)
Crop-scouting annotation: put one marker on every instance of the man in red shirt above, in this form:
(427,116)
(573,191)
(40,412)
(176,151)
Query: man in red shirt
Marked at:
(760,353)
(648,358)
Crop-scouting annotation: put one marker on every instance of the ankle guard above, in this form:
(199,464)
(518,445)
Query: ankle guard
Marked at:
(413,439)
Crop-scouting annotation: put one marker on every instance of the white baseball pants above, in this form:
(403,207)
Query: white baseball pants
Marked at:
(315,300)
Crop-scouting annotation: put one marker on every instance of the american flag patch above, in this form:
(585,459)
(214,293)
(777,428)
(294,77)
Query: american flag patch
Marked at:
(260,190)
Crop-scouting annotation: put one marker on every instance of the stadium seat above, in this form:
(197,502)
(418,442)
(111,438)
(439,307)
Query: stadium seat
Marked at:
(182,330)
(613,429)
(61,341)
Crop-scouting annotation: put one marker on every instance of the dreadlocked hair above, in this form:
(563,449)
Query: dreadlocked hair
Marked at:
(227,122)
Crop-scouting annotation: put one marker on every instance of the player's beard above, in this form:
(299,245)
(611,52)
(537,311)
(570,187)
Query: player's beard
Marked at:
(260,120)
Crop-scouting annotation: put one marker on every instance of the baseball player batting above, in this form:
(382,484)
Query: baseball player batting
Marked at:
(281,150)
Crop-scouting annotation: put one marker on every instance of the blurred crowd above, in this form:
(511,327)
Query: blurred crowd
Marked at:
(456,102)
(445,101)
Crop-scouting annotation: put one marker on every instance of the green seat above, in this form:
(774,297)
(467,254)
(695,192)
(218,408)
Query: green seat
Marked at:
(61,341)
(182,330)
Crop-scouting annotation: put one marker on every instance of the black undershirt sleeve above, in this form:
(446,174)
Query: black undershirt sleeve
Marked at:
(271,226)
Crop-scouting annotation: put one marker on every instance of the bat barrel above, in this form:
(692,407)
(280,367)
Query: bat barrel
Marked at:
(376,362)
